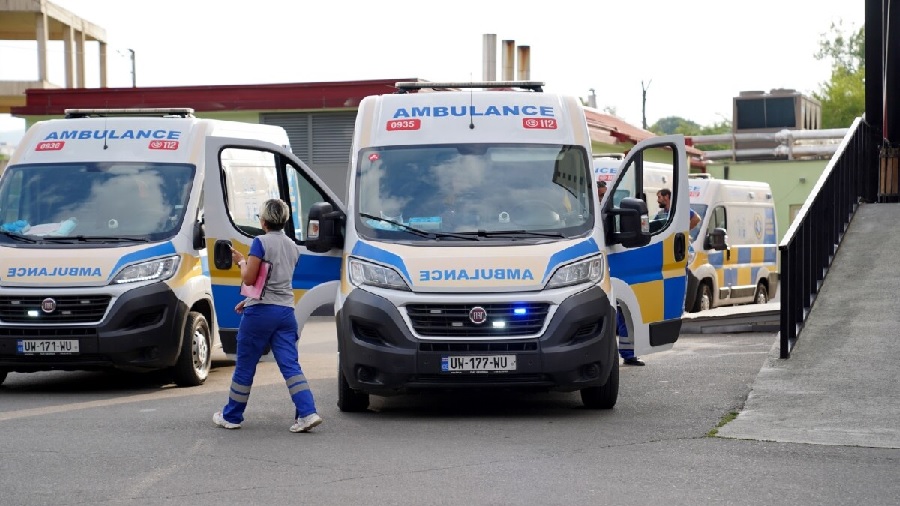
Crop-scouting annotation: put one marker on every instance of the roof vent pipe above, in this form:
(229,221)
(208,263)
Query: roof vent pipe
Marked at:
(489,57)
(508,59)
(524,63)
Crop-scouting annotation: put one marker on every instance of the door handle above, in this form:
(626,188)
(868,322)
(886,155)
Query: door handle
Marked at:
(680,247)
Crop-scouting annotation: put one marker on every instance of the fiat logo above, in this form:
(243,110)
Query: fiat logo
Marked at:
(48,305)
(477,315)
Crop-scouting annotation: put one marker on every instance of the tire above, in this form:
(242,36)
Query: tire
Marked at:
(350,400)
(762,294)
(195,359)
(603,397)
(704,298)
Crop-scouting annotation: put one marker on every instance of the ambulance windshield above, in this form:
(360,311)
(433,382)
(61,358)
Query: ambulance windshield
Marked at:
(502,191)
(103,200)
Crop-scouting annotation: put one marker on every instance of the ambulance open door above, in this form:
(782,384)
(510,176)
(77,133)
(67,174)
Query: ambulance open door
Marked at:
(649,281)
(241,175)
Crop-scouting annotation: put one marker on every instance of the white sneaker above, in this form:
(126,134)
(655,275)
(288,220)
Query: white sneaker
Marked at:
(220,420)
(306,423)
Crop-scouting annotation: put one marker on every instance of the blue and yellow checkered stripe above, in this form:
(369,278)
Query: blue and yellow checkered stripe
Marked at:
(652,270)
(310,271)
(743,266)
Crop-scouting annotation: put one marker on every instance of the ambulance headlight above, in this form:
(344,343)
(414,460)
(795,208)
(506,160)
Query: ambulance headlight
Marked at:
(585,271)
(154,270)
(365,273)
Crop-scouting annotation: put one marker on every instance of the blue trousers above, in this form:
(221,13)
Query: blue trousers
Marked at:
(274,326)
(622,331)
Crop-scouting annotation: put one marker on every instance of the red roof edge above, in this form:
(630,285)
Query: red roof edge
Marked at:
(625,132)
(319,95)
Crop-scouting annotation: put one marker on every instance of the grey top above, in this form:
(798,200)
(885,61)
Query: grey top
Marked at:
(283,253)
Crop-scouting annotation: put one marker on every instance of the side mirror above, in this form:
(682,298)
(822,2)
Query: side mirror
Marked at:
(717,240)
(323,231)
(629,223)
(199,235)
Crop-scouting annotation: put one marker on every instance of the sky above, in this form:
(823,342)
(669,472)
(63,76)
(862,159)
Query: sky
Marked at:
(692,57)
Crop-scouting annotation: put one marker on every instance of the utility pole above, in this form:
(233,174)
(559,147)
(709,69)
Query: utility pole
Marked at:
(644,103)
(133,70)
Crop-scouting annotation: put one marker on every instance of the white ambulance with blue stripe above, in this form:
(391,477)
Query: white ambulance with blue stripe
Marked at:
(105,219)
(736,244)
(476,254)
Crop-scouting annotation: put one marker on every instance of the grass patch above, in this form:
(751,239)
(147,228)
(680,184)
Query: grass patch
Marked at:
(725,419)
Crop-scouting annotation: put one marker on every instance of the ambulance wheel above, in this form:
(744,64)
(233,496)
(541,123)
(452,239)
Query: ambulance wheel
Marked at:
(762,294)
(704,298)
(350,400)
(3,374)
(195,358)
(603,397)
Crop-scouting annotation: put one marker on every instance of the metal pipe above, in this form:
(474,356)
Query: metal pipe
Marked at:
(524,63)
(508,59)
(489,57)
(833,133)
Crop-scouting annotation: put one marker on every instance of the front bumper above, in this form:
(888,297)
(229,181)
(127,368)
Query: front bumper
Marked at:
(141,331)
(379,354)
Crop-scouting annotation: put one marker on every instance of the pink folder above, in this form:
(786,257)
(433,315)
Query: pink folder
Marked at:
(258,289)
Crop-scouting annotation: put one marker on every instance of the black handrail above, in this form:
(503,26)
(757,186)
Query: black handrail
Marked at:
(811,242)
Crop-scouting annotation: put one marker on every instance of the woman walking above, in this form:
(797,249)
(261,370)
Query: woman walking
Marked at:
(269,321)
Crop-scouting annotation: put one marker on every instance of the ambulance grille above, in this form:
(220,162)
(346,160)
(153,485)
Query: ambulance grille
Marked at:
(69,309)
(452,320)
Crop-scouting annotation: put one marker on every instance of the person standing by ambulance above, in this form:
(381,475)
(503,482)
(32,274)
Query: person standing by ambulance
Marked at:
(626,346)
(664,200)
(269,321)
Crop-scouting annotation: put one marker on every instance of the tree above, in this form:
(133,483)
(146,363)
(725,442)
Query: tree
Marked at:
(843,98)
(846,51)
(678,125)
(675,125)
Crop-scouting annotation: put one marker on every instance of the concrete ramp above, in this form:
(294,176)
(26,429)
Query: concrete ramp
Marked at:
(841,385)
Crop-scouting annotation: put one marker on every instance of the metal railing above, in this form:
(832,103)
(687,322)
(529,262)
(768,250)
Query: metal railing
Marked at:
(809,246)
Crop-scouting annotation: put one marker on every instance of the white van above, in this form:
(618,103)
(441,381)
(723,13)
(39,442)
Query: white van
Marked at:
(476,253)
(655,176)
(736,244)
(105,218)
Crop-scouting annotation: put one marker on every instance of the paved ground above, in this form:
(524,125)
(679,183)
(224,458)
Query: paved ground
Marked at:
(840,385)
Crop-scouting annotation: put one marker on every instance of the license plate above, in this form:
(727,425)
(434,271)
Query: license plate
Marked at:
(47,346)
(483,363)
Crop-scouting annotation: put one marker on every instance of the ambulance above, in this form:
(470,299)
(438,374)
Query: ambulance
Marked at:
(475,252)
(107,221)
(736,244)
(655,176)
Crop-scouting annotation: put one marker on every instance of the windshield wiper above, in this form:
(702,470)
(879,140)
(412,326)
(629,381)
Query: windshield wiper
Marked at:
(513,234)
(92,238)
(18,237)
(418,231)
